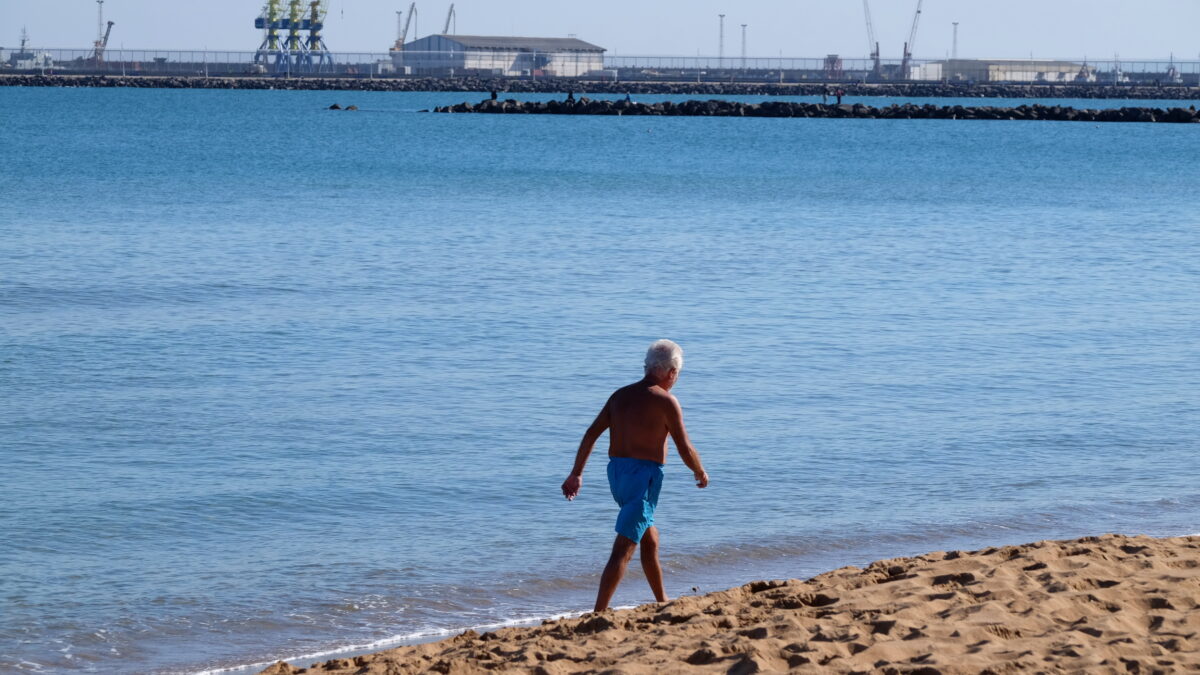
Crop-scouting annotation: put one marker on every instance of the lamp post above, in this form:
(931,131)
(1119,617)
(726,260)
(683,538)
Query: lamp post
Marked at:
(721,44)
(743,46)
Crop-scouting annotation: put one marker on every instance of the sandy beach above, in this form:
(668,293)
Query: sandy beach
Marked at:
(1099,604)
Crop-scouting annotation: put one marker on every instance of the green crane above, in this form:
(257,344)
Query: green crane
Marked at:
(316,55)
(270,21)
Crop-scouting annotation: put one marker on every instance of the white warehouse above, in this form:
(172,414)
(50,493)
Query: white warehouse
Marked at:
(502,56)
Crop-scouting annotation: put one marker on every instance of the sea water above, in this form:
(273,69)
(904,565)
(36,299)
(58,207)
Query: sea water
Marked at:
(277,380)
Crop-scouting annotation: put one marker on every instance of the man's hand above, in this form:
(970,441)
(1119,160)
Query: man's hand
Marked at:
(701,478)
(571,485)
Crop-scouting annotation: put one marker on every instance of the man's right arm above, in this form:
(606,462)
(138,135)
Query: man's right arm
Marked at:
(574,482)
(683,444)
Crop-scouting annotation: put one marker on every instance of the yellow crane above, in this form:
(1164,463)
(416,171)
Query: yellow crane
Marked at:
(293,24)
(316,54)
(270,21)
(284,45)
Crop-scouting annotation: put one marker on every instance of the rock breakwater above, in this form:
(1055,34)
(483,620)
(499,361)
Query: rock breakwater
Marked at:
(718,108)
(545,86)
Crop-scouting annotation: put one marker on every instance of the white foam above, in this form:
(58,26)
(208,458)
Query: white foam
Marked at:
(394,641)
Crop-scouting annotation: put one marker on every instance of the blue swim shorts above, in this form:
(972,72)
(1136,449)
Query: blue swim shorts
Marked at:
(635,484)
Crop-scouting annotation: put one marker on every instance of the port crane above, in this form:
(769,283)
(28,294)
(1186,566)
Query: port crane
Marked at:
(294,44)
(102,45)
(316,54)
(102,34)
(872,43)
(911,44)
(293,50)
(450,16)
(402,27)
(271,22)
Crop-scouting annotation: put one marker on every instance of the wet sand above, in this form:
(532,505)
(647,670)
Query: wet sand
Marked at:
(1100,604)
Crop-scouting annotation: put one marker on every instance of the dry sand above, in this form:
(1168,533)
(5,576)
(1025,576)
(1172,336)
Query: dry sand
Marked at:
(1101,604)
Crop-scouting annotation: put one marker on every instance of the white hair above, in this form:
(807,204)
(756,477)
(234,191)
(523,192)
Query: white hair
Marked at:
(664,355)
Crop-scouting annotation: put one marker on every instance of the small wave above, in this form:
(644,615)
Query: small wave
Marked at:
(413,638)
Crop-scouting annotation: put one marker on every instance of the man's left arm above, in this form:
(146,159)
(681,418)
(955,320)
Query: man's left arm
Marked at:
(683,444)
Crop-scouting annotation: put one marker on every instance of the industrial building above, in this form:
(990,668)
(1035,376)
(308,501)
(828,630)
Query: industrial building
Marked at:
(443,54)
(1005,70)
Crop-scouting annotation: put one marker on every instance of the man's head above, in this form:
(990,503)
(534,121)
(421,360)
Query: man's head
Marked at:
(664,360)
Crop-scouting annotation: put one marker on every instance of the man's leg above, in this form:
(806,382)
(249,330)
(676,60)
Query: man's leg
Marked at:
(623,549)
(650,564)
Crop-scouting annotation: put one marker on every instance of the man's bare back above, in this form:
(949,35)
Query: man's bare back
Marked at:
(641,416)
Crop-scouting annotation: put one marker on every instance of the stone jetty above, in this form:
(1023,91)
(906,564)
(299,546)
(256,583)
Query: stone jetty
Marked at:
(718,108)
(549,86)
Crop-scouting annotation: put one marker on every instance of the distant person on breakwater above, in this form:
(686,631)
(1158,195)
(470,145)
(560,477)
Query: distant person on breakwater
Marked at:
(824,94)
(840,93)
(638,417)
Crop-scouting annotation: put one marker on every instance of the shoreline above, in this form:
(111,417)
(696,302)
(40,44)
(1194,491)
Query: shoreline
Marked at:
(386,644)
(551,86)
(1112,602)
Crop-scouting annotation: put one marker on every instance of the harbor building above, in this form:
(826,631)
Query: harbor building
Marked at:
(480,55)
(1005,70)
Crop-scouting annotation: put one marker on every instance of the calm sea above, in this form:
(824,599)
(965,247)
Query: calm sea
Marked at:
(276,380)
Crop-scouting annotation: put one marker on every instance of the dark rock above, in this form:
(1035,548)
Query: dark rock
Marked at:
(596,624)
(1178,115)
(758,633)
(702,657)
(719,108)
(558,85)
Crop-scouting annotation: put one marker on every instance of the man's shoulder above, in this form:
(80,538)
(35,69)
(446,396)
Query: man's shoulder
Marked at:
(659,392)
(661,398)
(643,391)
(624,391)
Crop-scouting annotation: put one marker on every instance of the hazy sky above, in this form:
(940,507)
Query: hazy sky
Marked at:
(809,28)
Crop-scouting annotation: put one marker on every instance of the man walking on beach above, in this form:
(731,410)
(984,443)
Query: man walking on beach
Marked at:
(639,418)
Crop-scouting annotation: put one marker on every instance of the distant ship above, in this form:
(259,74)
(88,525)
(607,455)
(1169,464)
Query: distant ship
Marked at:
(27,60)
